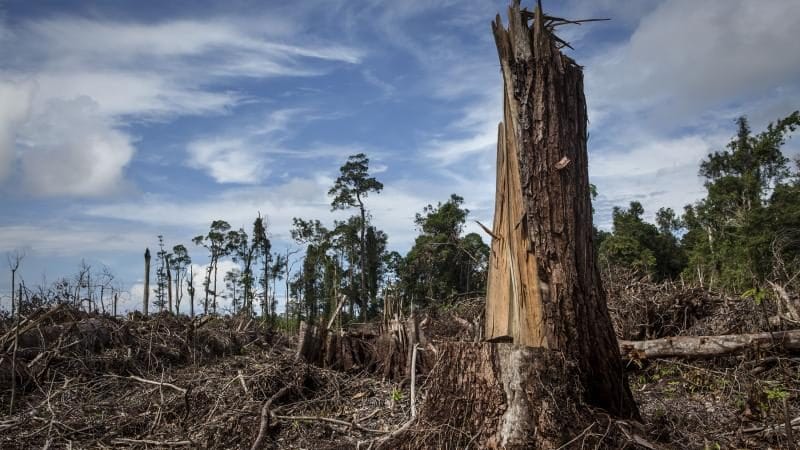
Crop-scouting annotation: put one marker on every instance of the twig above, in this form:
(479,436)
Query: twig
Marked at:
(788,426)
(383,440)
(150,442)
(343,423)
(155,383)
(265,416)
(578,436)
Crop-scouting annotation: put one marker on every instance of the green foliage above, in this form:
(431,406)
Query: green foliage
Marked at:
(756,294)
(349,191)
(354,183)
(397,395)
(751,199)
(442,263)
(642,246)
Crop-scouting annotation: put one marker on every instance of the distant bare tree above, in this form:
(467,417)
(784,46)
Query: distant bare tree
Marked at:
(14,260)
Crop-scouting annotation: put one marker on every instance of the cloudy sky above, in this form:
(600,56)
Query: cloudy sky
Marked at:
(120,121)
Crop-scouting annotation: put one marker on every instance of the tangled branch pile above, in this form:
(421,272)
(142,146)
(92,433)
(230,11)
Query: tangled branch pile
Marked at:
(164,381)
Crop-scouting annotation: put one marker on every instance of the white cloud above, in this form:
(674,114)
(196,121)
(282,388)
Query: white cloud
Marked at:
(240,155)
(232,160)
(70,149)
(15,105)
(94,76)
(686,57)
(72,240)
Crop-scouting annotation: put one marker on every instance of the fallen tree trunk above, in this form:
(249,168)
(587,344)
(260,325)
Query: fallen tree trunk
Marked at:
(710,346)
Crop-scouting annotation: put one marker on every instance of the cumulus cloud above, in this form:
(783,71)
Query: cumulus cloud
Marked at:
(71,149)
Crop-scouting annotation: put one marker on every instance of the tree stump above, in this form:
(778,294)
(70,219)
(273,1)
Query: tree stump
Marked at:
(544,288)
(517,397)
(552,354)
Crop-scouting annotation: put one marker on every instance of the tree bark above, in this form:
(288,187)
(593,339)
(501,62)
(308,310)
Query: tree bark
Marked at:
(502,408)
(710,346)
(544,288)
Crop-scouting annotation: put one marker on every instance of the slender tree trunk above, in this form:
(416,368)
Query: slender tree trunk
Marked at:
(89,291)
(544,286)
(146,294)
(178,290)
(207,284)
(169,283)
(265,308)
(13,305)
(362,296)
(116,299)
(214,305)
(191,292)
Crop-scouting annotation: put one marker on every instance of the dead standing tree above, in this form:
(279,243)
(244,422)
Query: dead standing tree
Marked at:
(551,346)
(146,294)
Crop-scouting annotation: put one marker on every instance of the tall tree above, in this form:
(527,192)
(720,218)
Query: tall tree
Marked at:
(263,247)
(162,279)
(276,272)
(180,262)
(443,263)
(376,249)
(243,252)
(233,279)
(217,245)
(316,237)
(728,234)
(641,246)
(349,190)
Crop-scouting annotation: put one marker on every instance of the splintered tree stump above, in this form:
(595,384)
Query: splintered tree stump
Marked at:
(552,356)
(386,353)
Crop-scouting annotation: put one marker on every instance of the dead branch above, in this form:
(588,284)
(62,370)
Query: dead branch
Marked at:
(343,423)
(265,417)
(155,383)
(156,443)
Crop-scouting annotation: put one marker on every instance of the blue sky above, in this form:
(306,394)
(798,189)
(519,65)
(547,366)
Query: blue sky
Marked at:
(120,121)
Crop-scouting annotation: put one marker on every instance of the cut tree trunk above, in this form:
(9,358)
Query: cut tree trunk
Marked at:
(503,408)
(384,351)
(710,346)
(544,288)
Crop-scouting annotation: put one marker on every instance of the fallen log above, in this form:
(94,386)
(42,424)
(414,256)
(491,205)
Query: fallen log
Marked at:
(709,346)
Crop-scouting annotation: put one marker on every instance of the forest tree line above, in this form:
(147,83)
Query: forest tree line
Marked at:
(743,232)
